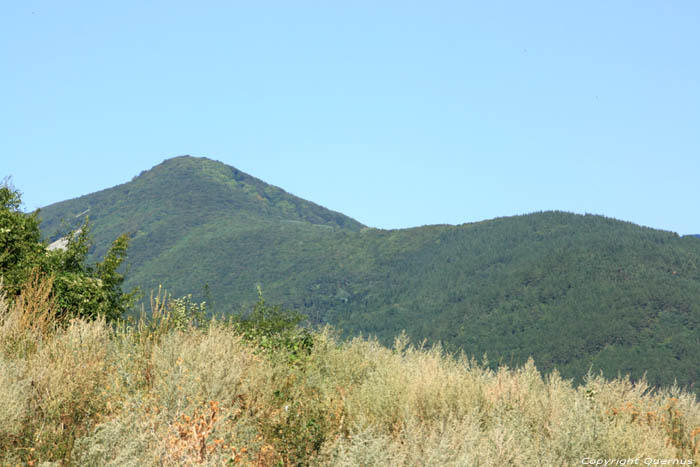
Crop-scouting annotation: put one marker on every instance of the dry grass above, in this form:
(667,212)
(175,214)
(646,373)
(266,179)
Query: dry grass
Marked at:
(29,318)
(84,394)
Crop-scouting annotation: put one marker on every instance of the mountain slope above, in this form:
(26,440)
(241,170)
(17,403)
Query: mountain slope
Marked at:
(163,205)
(572,291)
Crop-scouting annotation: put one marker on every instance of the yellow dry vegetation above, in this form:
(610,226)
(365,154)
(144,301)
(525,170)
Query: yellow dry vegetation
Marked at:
(86,393)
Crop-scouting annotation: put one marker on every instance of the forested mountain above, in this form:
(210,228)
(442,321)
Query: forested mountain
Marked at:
(175,201)
(575,292)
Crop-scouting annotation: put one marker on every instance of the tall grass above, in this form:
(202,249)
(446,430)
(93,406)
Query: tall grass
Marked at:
(84,393)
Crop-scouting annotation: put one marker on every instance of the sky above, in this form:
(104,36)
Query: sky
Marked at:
(398,114)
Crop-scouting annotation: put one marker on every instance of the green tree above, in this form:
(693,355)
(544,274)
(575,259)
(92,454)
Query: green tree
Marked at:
(79,289)
(20,246)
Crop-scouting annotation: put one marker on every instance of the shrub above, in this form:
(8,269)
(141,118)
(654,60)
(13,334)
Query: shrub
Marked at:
(212,397)
(274,329)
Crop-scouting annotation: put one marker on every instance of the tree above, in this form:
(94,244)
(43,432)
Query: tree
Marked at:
(20,247)
(79,289)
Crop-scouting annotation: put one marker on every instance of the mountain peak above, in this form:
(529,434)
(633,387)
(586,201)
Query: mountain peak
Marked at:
(184,196)
(222,187)
(201,188)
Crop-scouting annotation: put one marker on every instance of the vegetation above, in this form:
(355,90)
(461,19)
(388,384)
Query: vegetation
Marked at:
(573,292)
(157,393)
(78,289)
(177,386)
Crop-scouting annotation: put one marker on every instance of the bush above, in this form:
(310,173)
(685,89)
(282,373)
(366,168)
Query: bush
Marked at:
(273,328)
(85,394)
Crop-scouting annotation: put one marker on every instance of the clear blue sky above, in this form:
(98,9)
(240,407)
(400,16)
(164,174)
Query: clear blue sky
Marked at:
(396,113)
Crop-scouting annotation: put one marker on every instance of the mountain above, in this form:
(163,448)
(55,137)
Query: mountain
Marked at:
(178,201)
(574,292)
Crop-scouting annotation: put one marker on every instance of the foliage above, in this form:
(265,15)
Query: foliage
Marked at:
(20,247)
(273,328)
(79,289)
(573,292)
(85,290)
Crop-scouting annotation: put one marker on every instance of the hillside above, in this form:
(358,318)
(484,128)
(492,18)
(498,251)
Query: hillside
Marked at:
(163,206)
(574,292)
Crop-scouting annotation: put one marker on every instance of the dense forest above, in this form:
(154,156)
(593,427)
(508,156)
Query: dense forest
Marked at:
(577,293)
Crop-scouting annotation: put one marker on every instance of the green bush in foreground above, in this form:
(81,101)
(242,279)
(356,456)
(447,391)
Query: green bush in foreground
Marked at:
(156,394)
(274,329)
